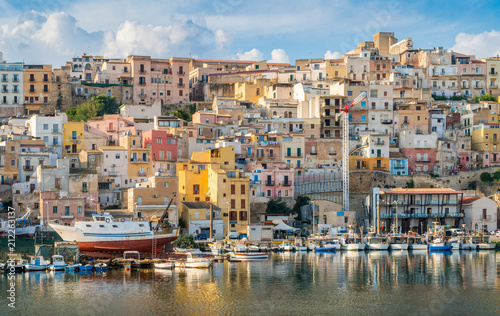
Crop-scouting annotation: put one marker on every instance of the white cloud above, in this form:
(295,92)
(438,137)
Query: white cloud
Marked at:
(253,54)
(332,55)
(486,44)
(279,56)
(56,37)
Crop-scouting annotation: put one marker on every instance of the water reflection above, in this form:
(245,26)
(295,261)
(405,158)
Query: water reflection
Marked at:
(349,282)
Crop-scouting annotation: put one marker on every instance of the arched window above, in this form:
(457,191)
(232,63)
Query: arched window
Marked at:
(275,114)
(286,115)
(109,92)
(87,67)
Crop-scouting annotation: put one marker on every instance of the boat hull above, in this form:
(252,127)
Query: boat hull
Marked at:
(377,246)
(398,246)
(486,246)
(34,267)
(142,245)
(251,256)
(418,247)
(328,248)
(353,247)
(164,265)
(440,247)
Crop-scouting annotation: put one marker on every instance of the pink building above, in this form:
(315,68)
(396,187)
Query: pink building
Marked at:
(420,159)
(163,145)
(272,179)
(464,161)
(66,209)
(166,80)
(491,158)
(113,125)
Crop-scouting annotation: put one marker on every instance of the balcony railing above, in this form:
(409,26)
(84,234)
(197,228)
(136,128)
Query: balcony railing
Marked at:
(142,71)
(269,183)
(28,168)
(379,143)
(180,85)
(484,217)
(493,73)
(141,174)
(313,154)
(399,167)
(142,95)
(142,83)
(380,166)
(181,73)
(287,183)
(255,182)
(332,154)
(386,121)
(138,160)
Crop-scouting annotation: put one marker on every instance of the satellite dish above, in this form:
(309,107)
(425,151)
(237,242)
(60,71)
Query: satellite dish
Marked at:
(277,221)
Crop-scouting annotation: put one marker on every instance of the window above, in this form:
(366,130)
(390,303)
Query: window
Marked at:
(45,127)
(165,185)
(196,189)
(79,209)
(84,186)
(233,203)
(243,189)
(243,203)
(243,216)
(233,216)
(54,209)
(117,156)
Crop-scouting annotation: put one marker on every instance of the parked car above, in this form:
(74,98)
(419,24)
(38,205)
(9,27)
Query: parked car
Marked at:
(200,237)
(497,232)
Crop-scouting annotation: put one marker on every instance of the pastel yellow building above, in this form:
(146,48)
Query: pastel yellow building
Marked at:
(372,155)
(492,76)
(73,139)
(37,82)
(251,91)
(336,69)
(211,176)
(485,137)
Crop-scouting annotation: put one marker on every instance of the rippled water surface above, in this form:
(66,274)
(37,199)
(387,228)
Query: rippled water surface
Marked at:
(371,283)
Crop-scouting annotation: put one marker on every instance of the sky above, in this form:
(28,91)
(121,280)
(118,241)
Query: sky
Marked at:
(53,32)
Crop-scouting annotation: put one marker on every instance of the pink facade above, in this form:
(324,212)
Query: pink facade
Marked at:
(166,80)
(420,159)
(163,145)
(65,209)
(470,68)
(113,125)
(464,161)
(491,158)
(276,179)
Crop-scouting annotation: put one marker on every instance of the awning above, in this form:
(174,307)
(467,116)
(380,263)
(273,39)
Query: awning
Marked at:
(283,226)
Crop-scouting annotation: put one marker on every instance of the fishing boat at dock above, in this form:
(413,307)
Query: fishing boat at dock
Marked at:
(105,233)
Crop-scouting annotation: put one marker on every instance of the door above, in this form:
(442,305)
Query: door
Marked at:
(289,152)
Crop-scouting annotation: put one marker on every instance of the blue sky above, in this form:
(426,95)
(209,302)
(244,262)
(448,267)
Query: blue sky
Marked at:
(54,31)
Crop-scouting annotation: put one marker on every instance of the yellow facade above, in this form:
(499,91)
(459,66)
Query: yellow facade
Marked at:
(336,69)
(486,137)
(139,159)
(492,76)
(211,176)
(36,87)
(73,139)
(251,91)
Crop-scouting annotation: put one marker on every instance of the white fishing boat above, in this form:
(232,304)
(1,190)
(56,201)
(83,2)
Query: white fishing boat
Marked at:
(250,256)
(483,243)
(286,246)
(398,242)
(377,243)
(217,248)
(194,259)
(20,227)
(417,243)
(101,267)
(14,263)
(300,244)
(73,268)
(253,248)
(164,265)
(37,263)
(58,263)
(456,243)
(352,244)
(330,246)
(439,244)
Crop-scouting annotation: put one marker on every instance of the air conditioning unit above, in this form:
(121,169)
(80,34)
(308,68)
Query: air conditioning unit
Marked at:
(155,196)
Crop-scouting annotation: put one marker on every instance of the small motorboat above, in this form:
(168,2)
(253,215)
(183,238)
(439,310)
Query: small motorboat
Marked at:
(217,248)
(352,244)
(439,244)
(58,263)
(73,268)
(37,263)
(131,263)
(417,243)
(164,265)
(87,268)
(14,263)
(250,256)
(101,267)
(287,246)
(328,247)
(253,248)
(195,259)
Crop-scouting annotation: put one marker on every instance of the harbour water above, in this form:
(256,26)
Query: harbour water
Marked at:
(366,283)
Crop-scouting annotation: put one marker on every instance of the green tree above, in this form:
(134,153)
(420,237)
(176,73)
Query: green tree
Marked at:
(410,184)
(277,206)
(496,175)
(183,115)
(185,241)
(71,113)
(97,106)
(486,177)
(484,97)
(301,201)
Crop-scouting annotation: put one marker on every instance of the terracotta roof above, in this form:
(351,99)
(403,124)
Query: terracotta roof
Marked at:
(396,154)
(470,200)
(420,191)
(112,148)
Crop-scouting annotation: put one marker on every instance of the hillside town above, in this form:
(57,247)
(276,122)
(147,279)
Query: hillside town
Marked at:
(234,144)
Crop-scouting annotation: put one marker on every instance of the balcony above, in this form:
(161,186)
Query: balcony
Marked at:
(55,131)
(139,160)
(5,80)
(313,154)
(28,168)
(332,154)
(142,71)
(181,72)
(45,90)
(32,79)
(386,121)
(15,90)
(493,73)
(110,129)
(399,167)
(141,174)
(379,143)
(142,95)
(484,218)
(269,183)
(142,83)
(380,166)
(15,80)
(5,90)
(181,85)
(255,182)
(493,86)
(423,160)
(31,90)
(287,183)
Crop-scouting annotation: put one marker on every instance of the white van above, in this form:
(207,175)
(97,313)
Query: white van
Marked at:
(456,232)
